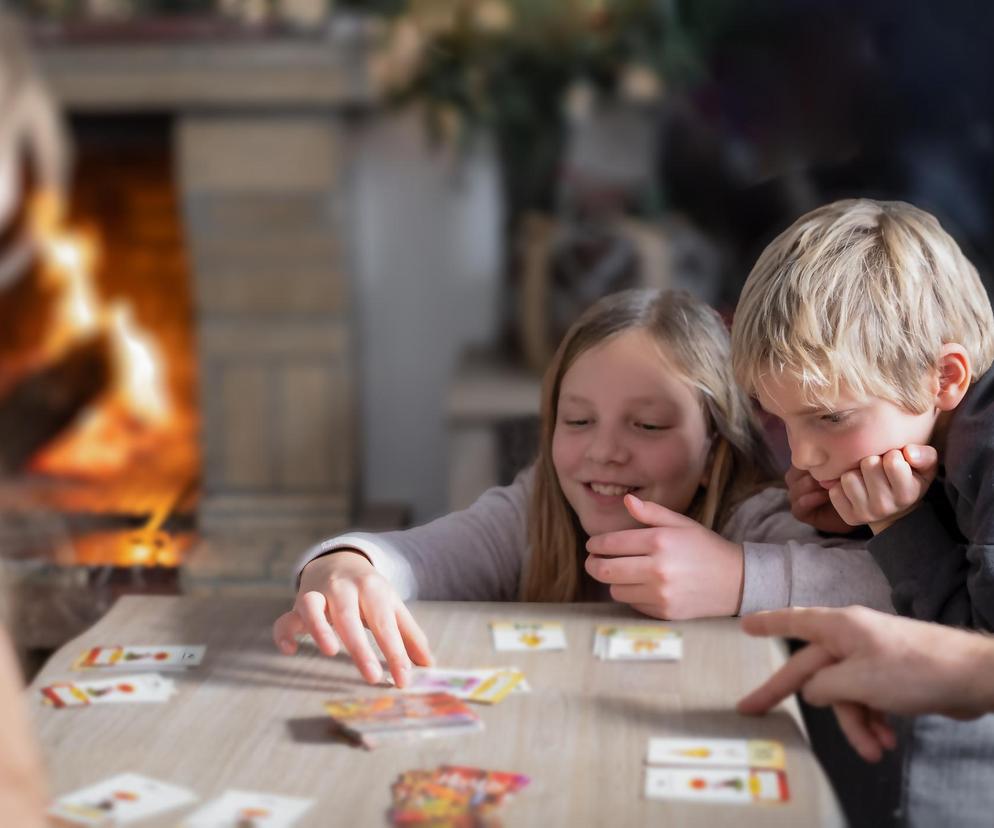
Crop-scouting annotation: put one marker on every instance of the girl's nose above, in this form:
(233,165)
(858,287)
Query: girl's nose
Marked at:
(607,447)
(805,453)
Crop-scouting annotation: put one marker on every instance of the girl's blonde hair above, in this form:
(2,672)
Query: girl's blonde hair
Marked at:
(693,340)
(864,293)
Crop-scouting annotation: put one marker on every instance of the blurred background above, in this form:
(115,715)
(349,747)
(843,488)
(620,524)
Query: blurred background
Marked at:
(273,268)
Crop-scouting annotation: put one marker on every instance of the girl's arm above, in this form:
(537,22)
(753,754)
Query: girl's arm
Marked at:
(473,554)
(789,564)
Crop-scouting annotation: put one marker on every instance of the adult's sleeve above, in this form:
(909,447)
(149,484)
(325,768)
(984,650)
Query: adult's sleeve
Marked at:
(787,563)
(475,554)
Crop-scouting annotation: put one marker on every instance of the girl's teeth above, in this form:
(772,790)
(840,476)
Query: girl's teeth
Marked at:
(605,489)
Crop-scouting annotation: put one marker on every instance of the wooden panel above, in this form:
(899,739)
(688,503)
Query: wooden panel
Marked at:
(315,443)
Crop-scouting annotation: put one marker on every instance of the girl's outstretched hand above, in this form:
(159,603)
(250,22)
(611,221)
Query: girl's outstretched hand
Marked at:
(340,594)
(674,568)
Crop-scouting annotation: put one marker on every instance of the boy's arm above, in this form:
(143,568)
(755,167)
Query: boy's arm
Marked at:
(473,554)
(788,564)
(935,576)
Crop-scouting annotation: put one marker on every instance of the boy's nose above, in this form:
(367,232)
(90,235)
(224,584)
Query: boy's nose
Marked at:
(805,454)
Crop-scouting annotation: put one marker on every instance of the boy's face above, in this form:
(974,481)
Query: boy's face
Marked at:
(827,441)
(626,422)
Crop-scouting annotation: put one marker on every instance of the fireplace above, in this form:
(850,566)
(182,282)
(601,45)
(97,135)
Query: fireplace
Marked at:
(214,183)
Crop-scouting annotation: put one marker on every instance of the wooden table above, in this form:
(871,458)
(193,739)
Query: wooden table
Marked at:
(251,718)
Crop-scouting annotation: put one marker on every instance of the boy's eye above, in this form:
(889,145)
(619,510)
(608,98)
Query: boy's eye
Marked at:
(834,417)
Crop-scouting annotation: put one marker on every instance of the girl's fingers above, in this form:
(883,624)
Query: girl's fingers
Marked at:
(348,624)
(414,638)
(312,607)
(383,625)
(286,628)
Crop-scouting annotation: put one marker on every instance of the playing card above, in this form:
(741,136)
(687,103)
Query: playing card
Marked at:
(248,809)
(452,795)
(742,753)
(145,687)
(138,657)
(487,685)
(645,642)
(528,635)
(373,720)
(119,800)
(732,785)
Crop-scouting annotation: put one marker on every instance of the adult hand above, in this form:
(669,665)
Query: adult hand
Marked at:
(866,663)
(674,568)
(809,503)
(339,595)
(885,487)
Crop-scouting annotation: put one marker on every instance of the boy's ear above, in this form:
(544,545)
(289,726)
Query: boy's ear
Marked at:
(953,375)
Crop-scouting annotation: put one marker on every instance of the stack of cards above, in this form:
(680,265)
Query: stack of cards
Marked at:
(140,657)
(643,642)
(738,771)
(371,721)
(248,809)
(528,635)
(145,687)
(452,796)
(487,685)
(119,800)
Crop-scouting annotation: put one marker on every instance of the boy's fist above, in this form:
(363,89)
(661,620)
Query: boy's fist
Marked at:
(809,503)
(885,487)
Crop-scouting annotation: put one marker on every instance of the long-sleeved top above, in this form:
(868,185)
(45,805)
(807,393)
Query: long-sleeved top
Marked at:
(479,553)
(939,559)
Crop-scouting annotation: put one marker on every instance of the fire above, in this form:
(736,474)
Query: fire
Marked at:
(104,437)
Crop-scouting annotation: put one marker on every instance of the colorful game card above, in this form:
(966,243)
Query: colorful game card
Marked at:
(249,809)
(138,657)
(144,687)
(452,795)
(528,635)
(373,720)
(740,786)
(736,753)
(119,800)
(638,642)
(487,686)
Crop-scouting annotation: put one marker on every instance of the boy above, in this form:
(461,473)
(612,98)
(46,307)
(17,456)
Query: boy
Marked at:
(866,330)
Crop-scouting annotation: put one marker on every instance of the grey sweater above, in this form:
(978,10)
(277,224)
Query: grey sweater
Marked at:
(480,552)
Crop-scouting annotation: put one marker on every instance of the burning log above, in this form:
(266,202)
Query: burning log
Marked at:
(45,402)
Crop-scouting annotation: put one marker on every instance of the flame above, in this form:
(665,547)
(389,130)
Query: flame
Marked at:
(107,434)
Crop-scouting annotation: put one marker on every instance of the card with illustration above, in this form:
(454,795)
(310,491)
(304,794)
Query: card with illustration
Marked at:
(742,753)
(638,642)
(373,720)
(452,795)
(144,687)
(249,809)
(119,800)
(740,786)
(139,657)
(485,685)
(528,635)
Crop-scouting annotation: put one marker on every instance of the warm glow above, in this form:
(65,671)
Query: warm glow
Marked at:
(138,368)
(70,259)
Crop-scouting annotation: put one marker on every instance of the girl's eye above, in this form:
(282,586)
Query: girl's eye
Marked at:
(649,427)
(576,422)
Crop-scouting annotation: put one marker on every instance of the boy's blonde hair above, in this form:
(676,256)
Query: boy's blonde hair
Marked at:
(864,293)
(692,339)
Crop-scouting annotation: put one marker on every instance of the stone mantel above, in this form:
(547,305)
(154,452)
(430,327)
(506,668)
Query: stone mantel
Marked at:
(257,75)
(261,154)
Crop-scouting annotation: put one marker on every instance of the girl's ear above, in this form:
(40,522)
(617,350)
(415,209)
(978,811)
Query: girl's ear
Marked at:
(953,375)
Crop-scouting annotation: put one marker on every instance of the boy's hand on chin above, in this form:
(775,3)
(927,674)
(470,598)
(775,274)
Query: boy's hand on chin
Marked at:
(885,487)
(809,503)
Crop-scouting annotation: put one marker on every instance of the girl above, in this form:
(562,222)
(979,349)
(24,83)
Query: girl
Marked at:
(650,487)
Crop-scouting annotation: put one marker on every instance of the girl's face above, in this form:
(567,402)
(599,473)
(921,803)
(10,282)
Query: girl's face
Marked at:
(627,422)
